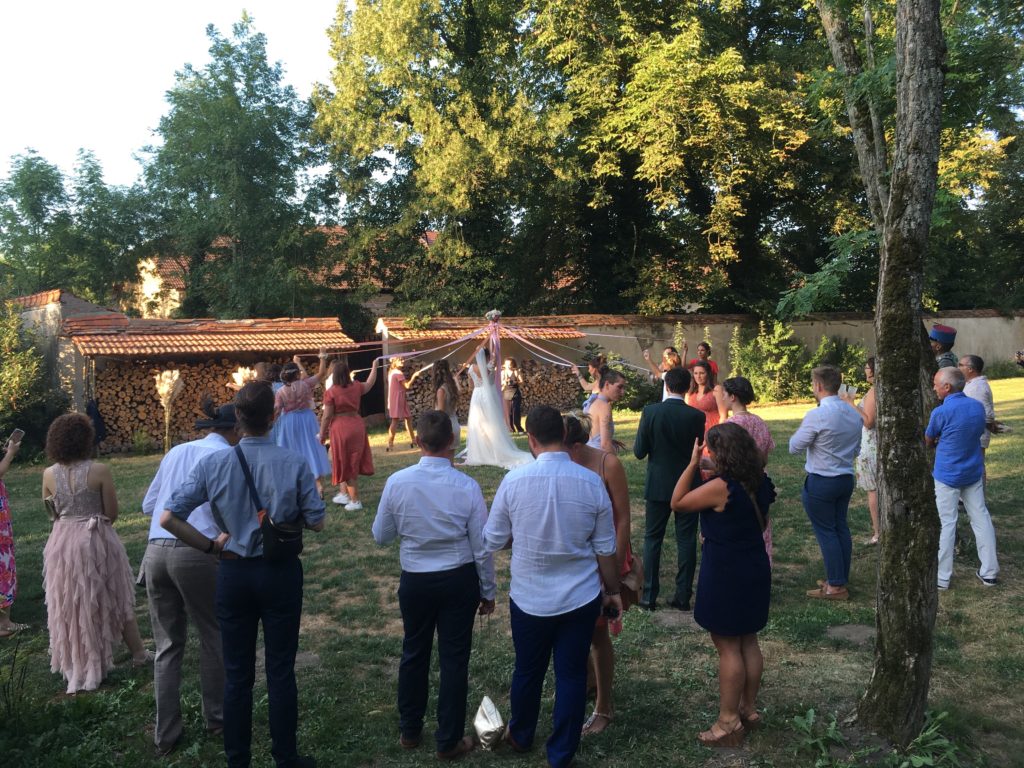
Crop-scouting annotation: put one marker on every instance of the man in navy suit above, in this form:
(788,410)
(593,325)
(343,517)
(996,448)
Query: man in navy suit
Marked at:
(665,438)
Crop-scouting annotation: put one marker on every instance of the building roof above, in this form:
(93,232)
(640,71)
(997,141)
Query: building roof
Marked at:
(114,335)
(534,327)
(36,300)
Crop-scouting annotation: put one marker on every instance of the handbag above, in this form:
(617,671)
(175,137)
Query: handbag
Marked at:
(280,540)
(631,585)
(488,724)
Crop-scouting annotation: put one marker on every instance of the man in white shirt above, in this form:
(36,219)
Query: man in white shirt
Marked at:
(830,434)
(181,583)
(557,516)
(438,515)
(977,388)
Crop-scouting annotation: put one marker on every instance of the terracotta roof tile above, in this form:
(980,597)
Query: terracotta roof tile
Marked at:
(130,337)
(454,333)
(36,300)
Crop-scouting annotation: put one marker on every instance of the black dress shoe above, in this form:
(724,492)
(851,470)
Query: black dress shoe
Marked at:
(678,605)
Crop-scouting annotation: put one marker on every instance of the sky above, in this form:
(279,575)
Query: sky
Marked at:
(94,75)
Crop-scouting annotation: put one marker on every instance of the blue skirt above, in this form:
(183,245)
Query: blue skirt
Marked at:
(299,431)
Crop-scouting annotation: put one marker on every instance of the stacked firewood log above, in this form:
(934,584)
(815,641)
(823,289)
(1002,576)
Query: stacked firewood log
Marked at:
(543,383)
(127,397)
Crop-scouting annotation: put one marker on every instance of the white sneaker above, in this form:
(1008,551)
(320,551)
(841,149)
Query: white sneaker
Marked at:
(353,506)
(341,498)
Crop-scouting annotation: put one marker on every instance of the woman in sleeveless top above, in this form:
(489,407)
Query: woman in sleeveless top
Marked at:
(593,386)
(487,439)
(702,393)
(295,423)
(350,447)
(90,590)
(613,474)
(734,586)
(8,570)
(446,397)
(867,459)
(602,430)
(670,359)
(398,401)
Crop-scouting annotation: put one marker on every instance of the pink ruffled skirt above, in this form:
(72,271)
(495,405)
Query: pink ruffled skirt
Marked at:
(90,596)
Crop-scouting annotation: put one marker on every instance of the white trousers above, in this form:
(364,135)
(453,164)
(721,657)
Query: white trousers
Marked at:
(946,498)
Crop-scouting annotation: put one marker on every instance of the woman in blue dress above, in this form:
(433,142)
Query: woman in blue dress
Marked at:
(734,586)
(296,426)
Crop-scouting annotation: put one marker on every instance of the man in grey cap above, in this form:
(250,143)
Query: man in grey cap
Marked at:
(181,582)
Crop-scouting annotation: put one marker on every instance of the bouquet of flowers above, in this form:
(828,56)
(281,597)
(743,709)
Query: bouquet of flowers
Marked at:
(493,316)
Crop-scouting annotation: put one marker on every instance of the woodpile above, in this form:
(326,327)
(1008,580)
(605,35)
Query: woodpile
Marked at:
(126,393)
(543,384)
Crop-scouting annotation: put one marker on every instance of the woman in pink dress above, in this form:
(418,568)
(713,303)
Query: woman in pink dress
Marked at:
(8,572)
(702,393)
(350,448)
(90,589)
(398,402)
(735,395)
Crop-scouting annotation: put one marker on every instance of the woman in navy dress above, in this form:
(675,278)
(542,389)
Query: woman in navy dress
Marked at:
(734,586)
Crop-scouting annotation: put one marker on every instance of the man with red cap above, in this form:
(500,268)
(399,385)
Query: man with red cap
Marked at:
(941,338)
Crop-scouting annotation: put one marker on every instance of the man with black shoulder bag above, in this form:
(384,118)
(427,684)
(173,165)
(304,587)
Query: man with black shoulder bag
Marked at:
(261,497)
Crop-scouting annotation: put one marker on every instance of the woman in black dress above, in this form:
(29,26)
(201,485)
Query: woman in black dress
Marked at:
(734,585)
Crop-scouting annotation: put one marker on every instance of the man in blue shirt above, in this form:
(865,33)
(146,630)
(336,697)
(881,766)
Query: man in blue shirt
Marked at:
(557,516)
(954,430)
(830,434)
(180,584)
(438,514)
(250,589)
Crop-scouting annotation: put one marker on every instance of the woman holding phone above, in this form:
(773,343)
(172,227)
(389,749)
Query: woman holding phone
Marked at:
(8,573)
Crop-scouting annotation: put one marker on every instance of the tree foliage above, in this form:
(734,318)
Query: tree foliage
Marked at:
(232,184)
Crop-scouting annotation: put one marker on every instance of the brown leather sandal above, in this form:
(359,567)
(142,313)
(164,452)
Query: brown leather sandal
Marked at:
(721,737)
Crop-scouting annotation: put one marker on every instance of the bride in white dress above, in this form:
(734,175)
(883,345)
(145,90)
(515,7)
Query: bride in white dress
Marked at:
(487,439)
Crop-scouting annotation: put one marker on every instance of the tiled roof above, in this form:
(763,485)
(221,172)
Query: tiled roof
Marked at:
(120,336)
(538,327)
(36,300)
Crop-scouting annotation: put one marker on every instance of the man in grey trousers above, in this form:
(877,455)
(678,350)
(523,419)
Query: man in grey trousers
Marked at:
(181,585)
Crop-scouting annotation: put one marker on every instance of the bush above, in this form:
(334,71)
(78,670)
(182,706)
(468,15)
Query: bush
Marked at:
(26,401)
(779,366)
(1003,369)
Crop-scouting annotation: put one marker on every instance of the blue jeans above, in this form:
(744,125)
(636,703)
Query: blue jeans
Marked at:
(249,592)
(446,601)
(535,638)
(826,501)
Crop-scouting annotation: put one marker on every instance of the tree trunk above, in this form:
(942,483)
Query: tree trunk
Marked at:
(897,694)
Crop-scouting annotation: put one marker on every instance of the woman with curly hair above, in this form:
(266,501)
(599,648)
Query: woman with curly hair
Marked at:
(446,397)
(734,586)
(90,590)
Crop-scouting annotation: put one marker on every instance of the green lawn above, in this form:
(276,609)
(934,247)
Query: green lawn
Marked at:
(666,686)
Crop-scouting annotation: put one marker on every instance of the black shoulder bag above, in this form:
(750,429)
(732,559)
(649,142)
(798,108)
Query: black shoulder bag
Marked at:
(280,540)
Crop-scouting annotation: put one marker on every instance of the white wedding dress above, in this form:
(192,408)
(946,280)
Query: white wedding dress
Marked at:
(487,439)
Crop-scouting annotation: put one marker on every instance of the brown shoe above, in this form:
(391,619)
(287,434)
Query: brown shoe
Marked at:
(409,742)
(463,747)
(826,592)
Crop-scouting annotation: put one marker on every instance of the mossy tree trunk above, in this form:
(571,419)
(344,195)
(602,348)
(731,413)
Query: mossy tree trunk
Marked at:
(897,693)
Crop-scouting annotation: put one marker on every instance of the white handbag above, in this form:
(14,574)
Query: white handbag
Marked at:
(488,724)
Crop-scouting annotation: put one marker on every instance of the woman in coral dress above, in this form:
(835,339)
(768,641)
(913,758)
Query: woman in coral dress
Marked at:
(398,402)
(350,448)
(702,393)
(90,590)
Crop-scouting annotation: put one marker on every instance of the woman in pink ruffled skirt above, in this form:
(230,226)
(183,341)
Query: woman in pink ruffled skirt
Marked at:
(90,590)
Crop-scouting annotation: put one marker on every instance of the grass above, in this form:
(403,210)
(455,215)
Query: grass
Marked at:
(666,686)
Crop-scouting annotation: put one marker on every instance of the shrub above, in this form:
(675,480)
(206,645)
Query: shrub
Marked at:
(25,399)
(779,366)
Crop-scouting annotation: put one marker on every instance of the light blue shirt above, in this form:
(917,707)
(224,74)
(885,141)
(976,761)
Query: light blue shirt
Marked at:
(559,518)
(830,434)
(283,480)
(438,515)
(173,471)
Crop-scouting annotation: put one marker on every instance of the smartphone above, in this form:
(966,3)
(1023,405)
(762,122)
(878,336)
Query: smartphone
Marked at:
(610,612)
(16,436)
